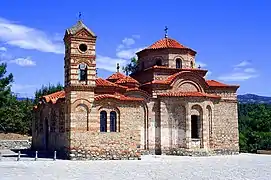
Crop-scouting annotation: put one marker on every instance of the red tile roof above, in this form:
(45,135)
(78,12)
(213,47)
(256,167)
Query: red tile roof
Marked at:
(188,94)
(214,83)
(105,83)
(54,96)
(166,43)
(116,76)
(127,79)
(117,96)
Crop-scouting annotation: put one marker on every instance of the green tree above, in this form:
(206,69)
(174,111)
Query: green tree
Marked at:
(131,67)
(254,127)
(5,84)
(5,91)
(45,90)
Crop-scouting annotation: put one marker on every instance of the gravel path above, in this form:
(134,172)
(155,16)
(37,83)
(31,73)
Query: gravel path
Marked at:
(243,166)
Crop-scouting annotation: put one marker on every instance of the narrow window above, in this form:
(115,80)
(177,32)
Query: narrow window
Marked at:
(194,126)
(192,64)
(158,62)
(178,63)
(103,120)
(82,72)
(113,121)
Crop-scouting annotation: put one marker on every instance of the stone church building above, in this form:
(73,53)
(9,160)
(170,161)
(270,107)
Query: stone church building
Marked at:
(166,106)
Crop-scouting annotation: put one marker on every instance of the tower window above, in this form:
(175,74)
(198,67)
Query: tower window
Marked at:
(82,72)
(83,47)
(192,64)
(178,63)
(158,62)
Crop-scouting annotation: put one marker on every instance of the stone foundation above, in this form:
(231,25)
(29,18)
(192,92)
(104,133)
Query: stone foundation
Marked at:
(199,152)
(15,144)
(82,154)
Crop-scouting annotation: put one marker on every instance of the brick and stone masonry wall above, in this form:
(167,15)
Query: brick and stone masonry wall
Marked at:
(123,144)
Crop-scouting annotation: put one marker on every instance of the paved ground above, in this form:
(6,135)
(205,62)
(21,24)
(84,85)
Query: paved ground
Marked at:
(243,166)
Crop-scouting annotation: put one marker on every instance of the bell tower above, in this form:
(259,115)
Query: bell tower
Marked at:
(80,73)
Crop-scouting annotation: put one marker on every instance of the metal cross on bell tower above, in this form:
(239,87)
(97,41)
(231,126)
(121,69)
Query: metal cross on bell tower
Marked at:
(166,32)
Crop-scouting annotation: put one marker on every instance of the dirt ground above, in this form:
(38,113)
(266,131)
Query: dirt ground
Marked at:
(13,136)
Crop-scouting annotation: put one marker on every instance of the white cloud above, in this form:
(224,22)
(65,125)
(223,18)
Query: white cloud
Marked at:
(128,53)
(240,73)
(3,49)
(249,70)
(124,52)
(23,61)
(28,38)
(240,76)
(128,41)
(242,64)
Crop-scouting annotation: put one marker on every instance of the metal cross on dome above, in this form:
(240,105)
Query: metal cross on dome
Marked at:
(80,16)
(118,67)
(166,32)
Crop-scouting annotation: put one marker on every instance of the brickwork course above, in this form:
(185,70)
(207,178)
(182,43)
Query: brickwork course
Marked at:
(167,106)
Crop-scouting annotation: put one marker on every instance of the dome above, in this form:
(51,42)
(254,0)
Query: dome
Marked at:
(166,43)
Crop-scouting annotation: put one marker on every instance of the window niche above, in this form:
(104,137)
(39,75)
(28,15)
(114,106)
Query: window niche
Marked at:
(178,63)
(113,121)
(158,62)
(103,121)
(82,76)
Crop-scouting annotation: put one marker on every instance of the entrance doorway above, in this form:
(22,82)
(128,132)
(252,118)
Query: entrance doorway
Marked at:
(195,127)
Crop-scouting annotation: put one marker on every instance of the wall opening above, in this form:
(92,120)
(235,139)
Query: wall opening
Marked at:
(195,127)
(113,121)
(103,119)
(178,63)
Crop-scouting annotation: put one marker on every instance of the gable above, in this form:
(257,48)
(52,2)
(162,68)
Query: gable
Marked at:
(84,33)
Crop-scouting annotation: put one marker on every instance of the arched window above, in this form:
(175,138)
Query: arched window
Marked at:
(103,119)
(192,64)
(158,62)
(178,63)
(82,72)
(113,121)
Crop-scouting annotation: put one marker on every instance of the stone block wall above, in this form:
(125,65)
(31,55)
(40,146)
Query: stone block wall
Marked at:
(225,127)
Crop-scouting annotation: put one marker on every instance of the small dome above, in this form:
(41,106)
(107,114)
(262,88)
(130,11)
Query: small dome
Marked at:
(166,43)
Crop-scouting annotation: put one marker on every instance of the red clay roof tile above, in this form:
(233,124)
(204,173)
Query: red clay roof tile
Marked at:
(116,76)
(117,96)
(105,83)
(127,79)
(54,96)
(214,83)
(166,43)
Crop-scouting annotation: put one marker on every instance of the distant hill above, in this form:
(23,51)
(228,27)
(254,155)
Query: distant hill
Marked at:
(253,98)
(23,98)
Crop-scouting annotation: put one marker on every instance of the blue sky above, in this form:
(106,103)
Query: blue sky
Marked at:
(232,38)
